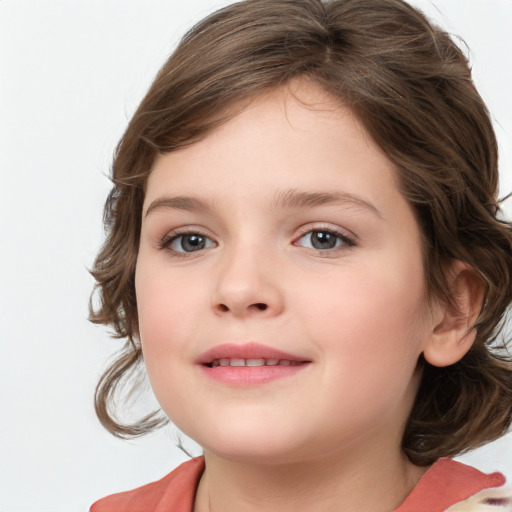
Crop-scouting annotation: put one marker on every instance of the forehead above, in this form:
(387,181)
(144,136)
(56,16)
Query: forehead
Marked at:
(294,126)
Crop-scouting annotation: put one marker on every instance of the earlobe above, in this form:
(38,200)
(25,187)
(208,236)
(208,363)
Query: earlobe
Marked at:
(453,330)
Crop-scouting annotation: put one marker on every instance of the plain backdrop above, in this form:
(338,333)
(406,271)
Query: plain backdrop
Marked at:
(71,74)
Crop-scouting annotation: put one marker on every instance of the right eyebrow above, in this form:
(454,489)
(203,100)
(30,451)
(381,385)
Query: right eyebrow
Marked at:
(178,203)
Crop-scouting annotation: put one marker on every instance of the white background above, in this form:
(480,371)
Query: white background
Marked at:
(71,74)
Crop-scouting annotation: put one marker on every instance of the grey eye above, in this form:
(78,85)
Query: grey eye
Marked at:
(191,242)
(322,240)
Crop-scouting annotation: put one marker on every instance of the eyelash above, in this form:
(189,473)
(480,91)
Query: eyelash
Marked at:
(167,241)
(347,242)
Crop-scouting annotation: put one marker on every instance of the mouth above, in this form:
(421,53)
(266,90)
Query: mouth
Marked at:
(249,364)
(253,362)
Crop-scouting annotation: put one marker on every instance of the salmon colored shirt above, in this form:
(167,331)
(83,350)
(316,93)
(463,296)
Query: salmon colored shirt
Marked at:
(447,482)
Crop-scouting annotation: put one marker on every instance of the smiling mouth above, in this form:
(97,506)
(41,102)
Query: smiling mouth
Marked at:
(252,363)
(249,364)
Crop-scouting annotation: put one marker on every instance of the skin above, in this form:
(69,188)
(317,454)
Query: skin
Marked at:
(328,437)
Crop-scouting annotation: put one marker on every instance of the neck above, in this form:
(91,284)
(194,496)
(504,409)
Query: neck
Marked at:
(377,483)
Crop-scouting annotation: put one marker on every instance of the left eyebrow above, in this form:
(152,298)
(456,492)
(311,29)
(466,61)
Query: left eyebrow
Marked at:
(294,198)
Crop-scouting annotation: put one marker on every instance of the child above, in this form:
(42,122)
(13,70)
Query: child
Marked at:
(304,249)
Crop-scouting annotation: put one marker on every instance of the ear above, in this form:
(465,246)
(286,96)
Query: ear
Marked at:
(453,333)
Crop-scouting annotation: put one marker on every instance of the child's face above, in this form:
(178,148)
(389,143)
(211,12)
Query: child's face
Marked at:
(296,238)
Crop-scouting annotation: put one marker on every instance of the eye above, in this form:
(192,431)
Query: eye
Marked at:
(324,240)
(188,242)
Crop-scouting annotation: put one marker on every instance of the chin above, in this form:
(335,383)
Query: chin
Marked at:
(251,443)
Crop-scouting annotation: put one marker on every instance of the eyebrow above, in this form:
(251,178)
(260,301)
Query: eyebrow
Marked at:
(186,203)
(293,198)
(285,199)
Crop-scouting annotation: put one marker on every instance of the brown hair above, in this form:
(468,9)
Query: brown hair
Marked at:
(411,87)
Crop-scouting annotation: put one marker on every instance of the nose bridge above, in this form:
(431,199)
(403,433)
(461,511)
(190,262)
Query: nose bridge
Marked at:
(246,281)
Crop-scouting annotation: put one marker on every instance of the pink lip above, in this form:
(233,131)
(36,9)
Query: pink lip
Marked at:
(250,350)
(248,375)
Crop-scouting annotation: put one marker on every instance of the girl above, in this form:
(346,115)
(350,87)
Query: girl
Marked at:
(305,250)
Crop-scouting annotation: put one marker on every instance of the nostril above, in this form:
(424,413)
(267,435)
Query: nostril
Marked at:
(260,306)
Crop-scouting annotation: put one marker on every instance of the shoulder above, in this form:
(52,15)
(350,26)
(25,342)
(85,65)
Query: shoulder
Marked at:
(173,492)
(455,487)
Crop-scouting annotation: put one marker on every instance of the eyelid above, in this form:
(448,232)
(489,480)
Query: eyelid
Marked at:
(348,238)
(325,226)
(165,242)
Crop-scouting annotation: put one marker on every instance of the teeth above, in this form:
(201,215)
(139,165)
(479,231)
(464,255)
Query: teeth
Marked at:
(255,362)
(252,362)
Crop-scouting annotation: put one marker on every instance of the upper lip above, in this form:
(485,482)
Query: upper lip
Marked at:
(249,350)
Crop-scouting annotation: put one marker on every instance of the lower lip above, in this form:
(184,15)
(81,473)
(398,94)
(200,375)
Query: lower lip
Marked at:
(250,375)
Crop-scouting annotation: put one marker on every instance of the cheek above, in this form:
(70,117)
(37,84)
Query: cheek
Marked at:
(163,327)
(164,307)
(369,334)
(375,314)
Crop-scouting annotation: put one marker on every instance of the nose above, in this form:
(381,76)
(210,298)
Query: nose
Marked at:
(247,285)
